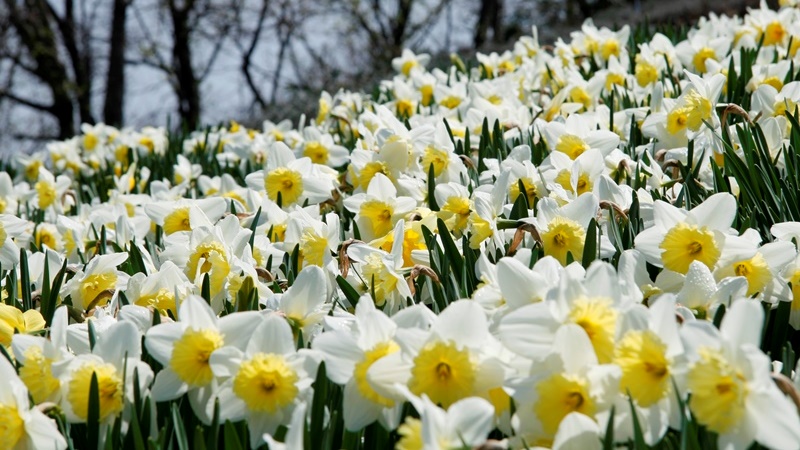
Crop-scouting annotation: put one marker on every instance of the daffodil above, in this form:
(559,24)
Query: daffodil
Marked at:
(594,303)
(212,252)
(23,427)
(184,349)
(563,229)
(679,237)
(38,355)
(451,362)
(569,380)
(317,239)
(305,303)
(48,192)
(348,356)
(288,181)
(321,149)
(159,290)
(96,284)
(113,362)
(12,321)
(265,380)
(652,360)
(185,215)
(381,272)
(11,227)
(408,61)
(732,393)
(378,210)
(467,423)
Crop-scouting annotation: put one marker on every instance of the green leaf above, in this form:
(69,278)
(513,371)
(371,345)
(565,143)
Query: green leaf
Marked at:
(318,407)
(231,438)
(247,293)
(349,291)
(25,280)
(432,189)
(590,247)
(93,415)
(92,334)
(205,290)
(450,250)
(213,431)
(719,315)
(608,440)
(638,437)
(179,429)
(253,226)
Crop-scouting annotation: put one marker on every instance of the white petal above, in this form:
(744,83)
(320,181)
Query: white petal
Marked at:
(340,352)
(197,313)
(122,339)
(464,322)
(717,212)
(160,339)
(41,432)
(168,386)
(471,419)
(225,361)
(273,335)
(742,323)
(358,411)
(577,432)
(529,331)
(237,328)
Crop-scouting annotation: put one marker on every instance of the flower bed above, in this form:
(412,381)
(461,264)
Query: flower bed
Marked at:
(579,246)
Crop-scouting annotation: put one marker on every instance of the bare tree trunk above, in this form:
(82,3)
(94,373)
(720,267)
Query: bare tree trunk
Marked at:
(187,84)
(115,79)
(81,61)
(489,17)
(32,25)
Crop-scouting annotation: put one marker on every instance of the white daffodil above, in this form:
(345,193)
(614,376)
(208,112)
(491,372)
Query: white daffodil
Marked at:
(762,270)
(575,177)
(158,290)
(563,229)
(23,427)
(37,356)
(184,348)
(679,237)
(381,273)
(185,215)
(521,285)
(292,180)
(95,285)
(732,393)
(568,380)
(409,61)
(318,240)
(651,356)
(454,206)
(211,251)
(453,361)
(321,148)
(113,361)
(11,227)
(265,380)
(48,192)
(378,210)
(594,303)
(348,355)
(466,424)
(305,303)
(576,135)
